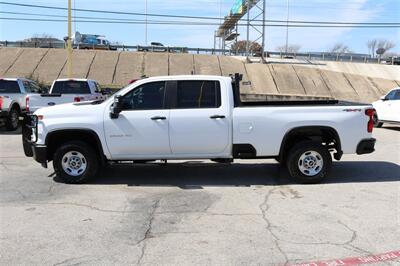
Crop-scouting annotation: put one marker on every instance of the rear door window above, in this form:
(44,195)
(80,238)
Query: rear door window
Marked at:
(9,86)
(198,94)
(71,87)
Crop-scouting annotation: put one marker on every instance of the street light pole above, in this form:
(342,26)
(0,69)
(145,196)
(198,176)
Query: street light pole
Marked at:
(69,44)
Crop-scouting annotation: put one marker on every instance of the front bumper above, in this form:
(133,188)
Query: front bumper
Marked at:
(31,149)
(366,146)
(40,154)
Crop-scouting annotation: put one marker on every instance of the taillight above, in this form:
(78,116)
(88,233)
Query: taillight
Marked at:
(1,102)
(370,113)
(27,103)
(77,99)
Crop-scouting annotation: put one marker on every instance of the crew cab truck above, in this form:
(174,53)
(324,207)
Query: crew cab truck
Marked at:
(196,117)
(65,91)
(12,99)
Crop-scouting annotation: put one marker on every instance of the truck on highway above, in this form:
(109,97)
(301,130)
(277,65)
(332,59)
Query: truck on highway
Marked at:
(65,91)
(91,41)
(13,92)
(196,117)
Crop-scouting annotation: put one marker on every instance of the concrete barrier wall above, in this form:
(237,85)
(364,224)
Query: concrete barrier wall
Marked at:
(181,64)
(261,79)
(206,65)
(103,67)
(26,62)
(129,66)
(7,58)
(286,79)
(51,65)
(156,64)
(230,66)
(312,81)
(279,77)
(81,63)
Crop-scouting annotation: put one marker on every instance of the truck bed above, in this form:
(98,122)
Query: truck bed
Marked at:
(299,103)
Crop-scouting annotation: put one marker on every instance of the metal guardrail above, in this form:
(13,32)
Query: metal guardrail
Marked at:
(322,56)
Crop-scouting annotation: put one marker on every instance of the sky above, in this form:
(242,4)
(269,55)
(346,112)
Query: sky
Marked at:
(310,39)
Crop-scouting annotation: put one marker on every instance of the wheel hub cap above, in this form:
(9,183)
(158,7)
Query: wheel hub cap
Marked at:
(310,163)
(74,163)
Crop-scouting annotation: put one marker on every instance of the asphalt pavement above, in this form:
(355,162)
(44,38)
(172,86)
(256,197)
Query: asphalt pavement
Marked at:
(200,213)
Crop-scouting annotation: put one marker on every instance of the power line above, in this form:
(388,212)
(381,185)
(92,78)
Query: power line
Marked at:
(140,22)
(196,17)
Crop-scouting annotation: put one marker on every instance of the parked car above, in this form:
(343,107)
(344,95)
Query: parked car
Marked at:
(12,99)
(387,108)
(197,117)
(65,91)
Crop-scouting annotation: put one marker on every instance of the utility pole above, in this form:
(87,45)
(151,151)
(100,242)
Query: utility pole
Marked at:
(248,30)
(145,34)
(287,28)
(69,44)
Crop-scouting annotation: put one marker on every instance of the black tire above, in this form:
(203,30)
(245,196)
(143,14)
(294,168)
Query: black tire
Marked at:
(12,122)
(76,148)
(316,151)
(376,121)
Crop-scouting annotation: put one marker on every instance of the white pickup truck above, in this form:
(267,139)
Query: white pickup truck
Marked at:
(65,91)
(13,92)
(196,117)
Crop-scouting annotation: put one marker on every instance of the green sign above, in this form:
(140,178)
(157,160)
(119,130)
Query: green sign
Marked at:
(237,8)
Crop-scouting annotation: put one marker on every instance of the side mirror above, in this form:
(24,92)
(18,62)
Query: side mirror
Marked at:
(116,108)
(383,98)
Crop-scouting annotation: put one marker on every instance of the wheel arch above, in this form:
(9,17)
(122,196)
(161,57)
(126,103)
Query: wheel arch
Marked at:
(325,134)
(55,139)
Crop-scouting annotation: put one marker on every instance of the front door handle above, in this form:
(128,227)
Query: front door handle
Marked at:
(158,118)
(217,116)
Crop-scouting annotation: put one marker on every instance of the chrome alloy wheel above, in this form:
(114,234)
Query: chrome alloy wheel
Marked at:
(310,163)
(74,163)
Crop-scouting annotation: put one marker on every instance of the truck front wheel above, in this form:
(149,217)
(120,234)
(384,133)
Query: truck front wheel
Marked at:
(309,162)
(75,162)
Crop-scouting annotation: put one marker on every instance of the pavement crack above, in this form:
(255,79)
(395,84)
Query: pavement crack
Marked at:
(264,207)
(147,233)
(85,206)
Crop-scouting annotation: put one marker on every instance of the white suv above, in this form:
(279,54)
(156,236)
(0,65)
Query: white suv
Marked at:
(388,108)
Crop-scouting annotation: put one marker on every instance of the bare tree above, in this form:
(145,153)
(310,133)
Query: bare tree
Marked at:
(375,44)
(386,45)
(293,48)
(340,48)
(371,44)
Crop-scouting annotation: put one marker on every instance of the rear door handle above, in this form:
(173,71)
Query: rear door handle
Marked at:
(158,118)
(217,116)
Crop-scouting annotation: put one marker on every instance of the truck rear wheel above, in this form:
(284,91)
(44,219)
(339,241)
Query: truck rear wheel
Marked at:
(75,162)
(12,122)
(309,162)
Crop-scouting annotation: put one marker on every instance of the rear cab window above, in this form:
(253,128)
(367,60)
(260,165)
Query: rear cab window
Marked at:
(71,87)
(9,86)
(198,94)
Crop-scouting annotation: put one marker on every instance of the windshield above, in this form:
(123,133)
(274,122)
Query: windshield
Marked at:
(9,86)
(71,87)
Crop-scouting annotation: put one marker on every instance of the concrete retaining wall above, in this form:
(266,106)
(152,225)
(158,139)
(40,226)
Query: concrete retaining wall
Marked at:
(300,78)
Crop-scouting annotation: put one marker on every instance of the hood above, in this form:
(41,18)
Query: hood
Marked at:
(70,110)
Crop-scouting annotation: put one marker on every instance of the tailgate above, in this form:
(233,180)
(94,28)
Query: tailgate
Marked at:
(36,102)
